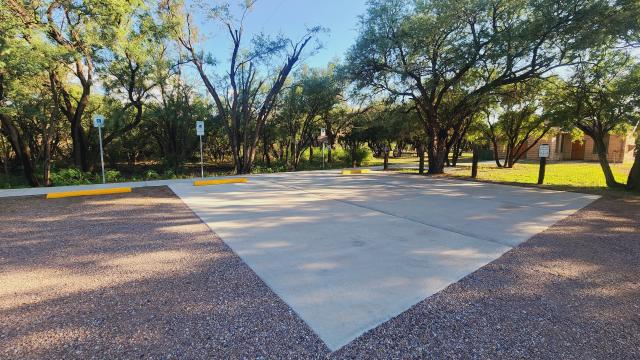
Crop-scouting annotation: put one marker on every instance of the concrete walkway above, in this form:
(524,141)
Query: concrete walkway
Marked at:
(350,252)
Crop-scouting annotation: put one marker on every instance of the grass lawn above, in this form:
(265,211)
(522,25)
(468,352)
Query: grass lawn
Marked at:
(404,160)
(572,176)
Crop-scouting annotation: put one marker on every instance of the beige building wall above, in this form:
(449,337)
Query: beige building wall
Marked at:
(620,148)
(559,148)
(630,148)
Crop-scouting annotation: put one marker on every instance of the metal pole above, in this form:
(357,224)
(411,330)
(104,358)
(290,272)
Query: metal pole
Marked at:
(201,159)
(323,155)
(101,156)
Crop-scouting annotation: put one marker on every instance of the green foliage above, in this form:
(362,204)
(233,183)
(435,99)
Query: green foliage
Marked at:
(447,57)
(151,175)
(71,176)
(363,155)
(112,176)
(420,73)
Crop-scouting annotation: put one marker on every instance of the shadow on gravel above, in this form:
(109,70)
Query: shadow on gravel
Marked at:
(132,276)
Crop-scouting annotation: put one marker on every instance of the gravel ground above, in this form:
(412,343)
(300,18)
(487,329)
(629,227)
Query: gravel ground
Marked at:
(139,276)
(132,276)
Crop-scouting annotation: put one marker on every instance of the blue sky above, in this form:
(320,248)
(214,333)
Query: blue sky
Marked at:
(291,18)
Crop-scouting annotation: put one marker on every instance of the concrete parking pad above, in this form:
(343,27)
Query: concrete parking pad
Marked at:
(348,253)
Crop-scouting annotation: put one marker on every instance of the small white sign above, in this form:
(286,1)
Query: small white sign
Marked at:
(98,121)
(323,132)
(543,151)
(200,128)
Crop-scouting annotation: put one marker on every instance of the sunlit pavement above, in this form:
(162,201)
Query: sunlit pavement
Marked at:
(350,252)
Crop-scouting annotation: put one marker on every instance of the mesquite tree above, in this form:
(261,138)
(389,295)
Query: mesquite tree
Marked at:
(251,84)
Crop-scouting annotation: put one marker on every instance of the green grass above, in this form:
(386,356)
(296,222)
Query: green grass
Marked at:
(404,160)
(571,176)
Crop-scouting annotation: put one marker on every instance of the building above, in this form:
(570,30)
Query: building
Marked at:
(620,148)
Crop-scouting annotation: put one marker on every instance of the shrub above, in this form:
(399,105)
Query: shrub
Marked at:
(363,155)
(70,176)
(112,176)
(151,175)
(170,174)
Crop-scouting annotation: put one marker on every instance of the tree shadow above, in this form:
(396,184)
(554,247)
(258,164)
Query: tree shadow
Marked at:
(133,275)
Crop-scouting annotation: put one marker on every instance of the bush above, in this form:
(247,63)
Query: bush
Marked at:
(170,174)
(112,176)
(260,169)
(70,176)
(363,155)
(151,175)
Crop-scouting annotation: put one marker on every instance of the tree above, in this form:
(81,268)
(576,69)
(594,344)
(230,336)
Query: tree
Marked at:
(311,97)
(520,124)
(81,30)
(29,95)
(251,98)
(171,122)
(138,65)
(446,55)
(633,181)
(601,96)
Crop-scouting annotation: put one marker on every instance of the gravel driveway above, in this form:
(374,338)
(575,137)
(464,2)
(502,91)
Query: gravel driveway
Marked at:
(139,276)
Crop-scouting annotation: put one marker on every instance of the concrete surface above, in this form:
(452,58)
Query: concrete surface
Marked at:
(350,252)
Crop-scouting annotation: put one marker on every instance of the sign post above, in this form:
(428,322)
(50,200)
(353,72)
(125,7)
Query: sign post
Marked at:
(543,154)
(200,132)
(98,121)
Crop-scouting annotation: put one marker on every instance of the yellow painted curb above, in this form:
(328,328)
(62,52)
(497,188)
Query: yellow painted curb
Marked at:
(219,181)
(64,194)
(355,171)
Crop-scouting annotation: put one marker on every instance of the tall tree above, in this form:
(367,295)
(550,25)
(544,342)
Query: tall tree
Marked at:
(250,97)
(311,97)
(444,55)
(138,65)
(600,96)
(82,30)
(520,122)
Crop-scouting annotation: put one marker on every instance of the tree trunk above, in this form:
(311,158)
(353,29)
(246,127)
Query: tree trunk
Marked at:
(21,149)
(601,149)
(437,152)
(421,156)
(48,130)
(5,156)
(353,155)
(633,182)
(46,163)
